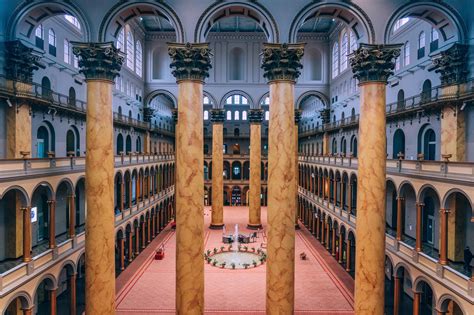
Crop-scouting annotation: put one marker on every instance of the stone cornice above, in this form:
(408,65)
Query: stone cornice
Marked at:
(190,61)
(169,36)
(451,64)
(255,116)
(21,61)
(217,116)
(374,63)
(98,61)
(282,62)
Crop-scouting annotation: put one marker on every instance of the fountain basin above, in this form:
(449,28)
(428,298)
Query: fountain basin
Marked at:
(230,259)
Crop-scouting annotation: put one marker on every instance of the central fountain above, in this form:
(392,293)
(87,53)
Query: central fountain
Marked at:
(235,243)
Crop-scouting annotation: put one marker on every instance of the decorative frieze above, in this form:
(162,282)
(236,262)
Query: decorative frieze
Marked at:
(451,64)
(282,61)
(255,116)
(374,63)
(190,61)
(217,116)
(98,61)
(21,61)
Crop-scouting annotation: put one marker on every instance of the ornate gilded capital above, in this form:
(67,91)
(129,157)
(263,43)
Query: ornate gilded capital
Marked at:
(374,63)
(217,116)
(282,62)
(21,61)
(451,64)
(190,61)
(148,113)
(255,116)
(98,61)
(297,116)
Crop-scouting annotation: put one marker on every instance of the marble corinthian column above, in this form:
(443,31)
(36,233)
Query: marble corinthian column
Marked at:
(371,65)
(281,66)
(255,119)
(217,119)
(100,63)
(191,64)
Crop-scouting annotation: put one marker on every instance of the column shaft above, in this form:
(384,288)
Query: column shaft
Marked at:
(348,255)
(443,250)
(419,222)
(26,234)
(255,176)
(122,253)
(396,295)
(73,293)
(72,216)
(281,200)
(339,260)
(399,218)
(52,223)
(333,249)
(217,218)
(190,199)
(53,301)
(416,303)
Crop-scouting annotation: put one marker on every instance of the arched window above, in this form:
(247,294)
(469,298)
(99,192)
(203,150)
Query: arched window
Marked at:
(139,59)
(130,49)
(244,115)
(344,50)
(72,97)
(236,132)
(52,42)
(236,64)
(67,51)
(206,115)
(138,145)
(46,88)
(334,146)
(236,115)
(352,41)
(427,143)
(354,146)
(401,99)
(121,40)
(229,115)
(434,40)
(45,139)
(128,144)
(119,144)
(421,45)
(426,91)
(397,63)
(267,115)
(353,113)
(129,114)
(335,59)
(406,54)
(72,142)
(398,143)
(39,36)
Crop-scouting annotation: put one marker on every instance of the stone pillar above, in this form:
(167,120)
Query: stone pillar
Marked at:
(26,234)
(148,231)
(122,192)
(297,120)
(255,119)
(52,223)
(419,222)
(28,311)
(130,192)
(416,302)
(142,228)
(137,239)
(130,247)
(122,252)
(323,231)
(443,241)
(20,63)
(73,291)
(281,65)
(191,63)
(400,201)
(217,215)
(372,65)
(333,249)
(328,231)
(396,295)
(53,300)
(349,199)
(317,227)
(325,144)
(348,255)
(339,260)
(72,216)
(100,63)
(451,64)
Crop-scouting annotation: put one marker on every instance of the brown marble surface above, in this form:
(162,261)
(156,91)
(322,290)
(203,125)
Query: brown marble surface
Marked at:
(453,134)
(217,218)
(18,121)
(255,175)
(189,200)
(281,200)
(370,233)
(100,262)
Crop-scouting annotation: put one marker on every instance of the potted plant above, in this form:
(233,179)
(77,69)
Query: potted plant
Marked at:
(245,248)
(214,262)
(246,265)
(223,265)
(222,248)
(232,265)
(209,260)
(208,252)
(253,249)
(215,250)
(254,263)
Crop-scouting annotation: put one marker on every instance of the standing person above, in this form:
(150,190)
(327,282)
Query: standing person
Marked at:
(467,259)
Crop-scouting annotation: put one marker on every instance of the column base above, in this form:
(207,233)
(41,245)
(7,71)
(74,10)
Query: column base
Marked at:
(216,226)
(254,226)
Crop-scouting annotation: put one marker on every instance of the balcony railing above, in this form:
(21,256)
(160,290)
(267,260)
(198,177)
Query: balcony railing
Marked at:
(436,95)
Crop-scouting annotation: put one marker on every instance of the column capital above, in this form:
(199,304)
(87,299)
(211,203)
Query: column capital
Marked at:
(98,61)
(190,61)
(282,62)
(420,204)
(21,61)
(297,116)
(374,63)
(148,113)
(255,115)
(451,64)
(51,201)
(217,115)
(444,210)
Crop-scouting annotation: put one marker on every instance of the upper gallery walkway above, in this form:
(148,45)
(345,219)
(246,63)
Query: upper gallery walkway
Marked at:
(321,285)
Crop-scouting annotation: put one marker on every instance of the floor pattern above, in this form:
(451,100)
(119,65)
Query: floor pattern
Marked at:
(148,286)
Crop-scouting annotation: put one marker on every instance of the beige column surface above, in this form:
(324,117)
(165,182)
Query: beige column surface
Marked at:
(190,200)
(281,200)
(370,250)
(100,271)
(453,134)
(18,121)
(217,216)
(255,176)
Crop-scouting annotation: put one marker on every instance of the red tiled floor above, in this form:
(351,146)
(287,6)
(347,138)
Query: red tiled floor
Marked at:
(321,285)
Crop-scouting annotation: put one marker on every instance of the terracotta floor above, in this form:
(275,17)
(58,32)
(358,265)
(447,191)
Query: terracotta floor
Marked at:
(148,286)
